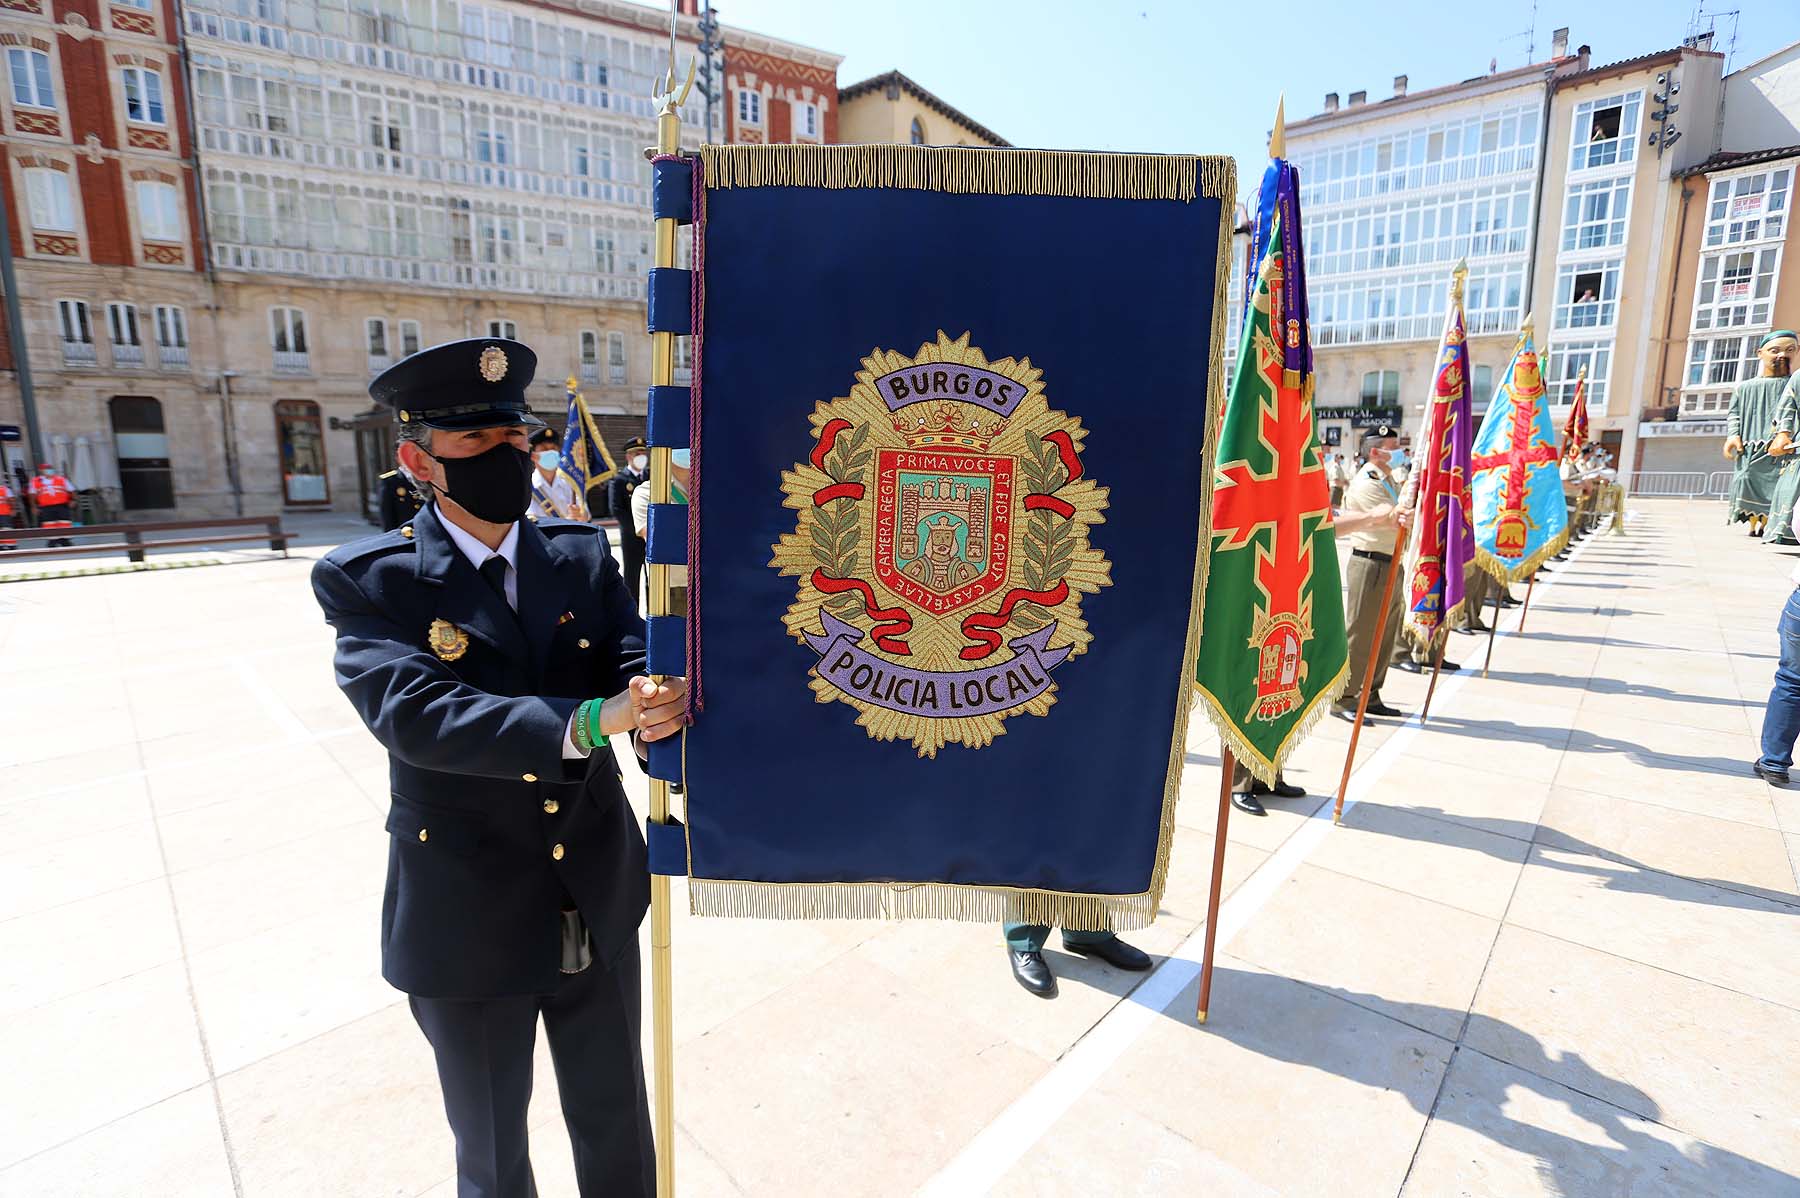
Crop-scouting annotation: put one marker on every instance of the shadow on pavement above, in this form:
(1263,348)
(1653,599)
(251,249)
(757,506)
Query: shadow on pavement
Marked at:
(1611,1161)
(1618,872)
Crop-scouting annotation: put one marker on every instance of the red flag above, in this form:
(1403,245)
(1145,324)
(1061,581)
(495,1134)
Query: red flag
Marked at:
(1575,428)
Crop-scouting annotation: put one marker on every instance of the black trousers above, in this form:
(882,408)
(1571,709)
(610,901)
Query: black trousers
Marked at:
(483,1049)
(631,548)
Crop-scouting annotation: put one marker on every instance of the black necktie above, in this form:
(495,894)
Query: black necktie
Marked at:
(493,572)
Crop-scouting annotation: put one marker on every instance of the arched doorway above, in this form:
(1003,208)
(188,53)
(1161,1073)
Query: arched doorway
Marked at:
(142,448)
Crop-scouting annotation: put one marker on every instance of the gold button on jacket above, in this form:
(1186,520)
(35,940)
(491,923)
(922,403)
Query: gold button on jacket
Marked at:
(557,852)
(551,806)
(423,834)
(529,777)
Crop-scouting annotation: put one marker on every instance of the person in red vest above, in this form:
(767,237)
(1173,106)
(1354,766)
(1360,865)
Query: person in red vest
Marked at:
(7,515)
(54,499)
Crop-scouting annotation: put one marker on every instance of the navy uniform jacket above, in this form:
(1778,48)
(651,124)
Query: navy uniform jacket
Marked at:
(481,793)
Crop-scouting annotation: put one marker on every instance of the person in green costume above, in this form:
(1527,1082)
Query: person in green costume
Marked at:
(1763,455)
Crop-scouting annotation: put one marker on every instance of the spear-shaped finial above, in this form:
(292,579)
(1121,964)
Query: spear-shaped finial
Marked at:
(1582,373)
(1459,275)
(1278,135)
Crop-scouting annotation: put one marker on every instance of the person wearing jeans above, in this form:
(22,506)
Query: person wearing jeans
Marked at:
(1781,722)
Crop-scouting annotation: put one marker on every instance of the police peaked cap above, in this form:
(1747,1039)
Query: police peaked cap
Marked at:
(544,436)
(1382,431)
(482,382)
(636,443)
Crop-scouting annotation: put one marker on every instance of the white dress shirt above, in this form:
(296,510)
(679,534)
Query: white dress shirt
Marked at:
(479,555)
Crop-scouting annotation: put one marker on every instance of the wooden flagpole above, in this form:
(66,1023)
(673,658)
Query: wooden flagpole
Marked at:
(1226,764)
(1362,703)
(668,95)
(1526,610)
(1437,666)
(1500,586)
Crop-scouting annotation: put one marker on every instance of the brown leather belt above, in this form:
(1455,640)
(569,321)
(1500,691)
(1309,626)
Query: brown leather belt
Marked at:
(1372,555)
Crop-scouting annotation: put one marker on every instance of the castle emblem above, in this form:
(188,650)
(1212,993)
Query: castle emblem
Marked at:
(941,545)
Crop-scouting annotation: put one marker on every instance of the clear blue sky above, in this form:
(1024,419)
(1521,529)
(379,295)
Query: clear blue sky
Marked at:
(1189,76)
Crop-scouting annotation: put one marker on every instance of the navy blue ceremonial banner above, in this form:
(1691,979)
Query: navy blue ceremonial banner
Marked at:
(947,527)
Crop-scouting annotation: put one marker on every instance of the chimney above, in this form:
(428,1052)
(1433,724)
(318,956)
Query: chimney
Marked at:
(1704,42)
(1331,102)
(1399,86)
(1357,99)
(1559,42)
(1582,53)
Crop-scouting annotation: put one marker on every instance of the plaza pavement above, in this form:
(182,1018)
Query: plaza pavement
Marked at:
(1554,948)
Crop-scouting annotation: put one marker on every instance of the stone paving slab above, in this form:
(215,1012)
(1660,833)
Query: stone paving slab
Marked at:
(1551,950)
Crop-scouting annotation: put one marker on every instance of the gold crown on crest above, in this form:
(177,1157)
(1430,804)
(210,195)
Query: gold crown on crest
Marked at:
(949,426)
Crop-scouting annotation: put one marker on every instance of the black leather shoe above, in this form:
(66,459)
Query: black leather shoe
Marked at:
(1031,971)
(1377,707)
(1509,601)
(1346,714)
(1409,665)
(1114,952)
(1449,667)
(1247,803)
(1283,789)
(1773,777)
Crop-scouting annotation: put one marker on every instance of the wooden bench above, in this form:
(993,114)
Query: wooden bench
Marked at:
(135,543)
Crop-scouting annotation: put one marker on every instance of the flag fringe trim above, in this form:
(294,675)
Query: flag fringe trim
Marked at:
(1264,768)
(710,897)
(988,904)
(1509,573)
(970,170)
(1413,633)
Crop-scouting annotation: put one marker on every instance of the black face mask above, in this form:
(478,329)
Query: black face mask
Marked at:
(494,485)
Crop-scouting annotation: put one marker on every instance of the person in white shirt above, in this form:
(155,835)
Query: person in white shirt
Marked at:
(552,490)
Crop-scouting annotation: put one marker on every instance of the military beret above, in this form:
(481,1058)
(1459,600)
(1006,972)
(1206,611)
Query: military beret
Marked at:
(483,382)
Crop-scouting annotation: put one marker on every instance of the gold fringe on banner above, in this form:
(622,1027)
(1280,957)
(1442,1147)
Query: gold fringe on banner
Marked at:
(1511,572)
(831,166)
(922,900)
(970,170)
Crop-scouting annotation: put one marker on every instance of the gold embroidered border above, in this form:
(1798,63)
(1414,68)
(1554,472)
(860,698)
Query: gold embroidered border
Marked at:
(1510,572)
(1217,179)
(969,170)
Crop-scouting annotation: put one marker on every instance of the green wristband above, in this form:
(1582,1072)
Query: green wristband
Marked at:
(578,730)
(591,717)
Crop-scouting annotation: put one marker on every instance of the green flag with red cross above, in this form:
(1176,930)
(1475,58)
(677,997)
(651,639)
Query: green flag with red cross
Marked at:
(1273,652)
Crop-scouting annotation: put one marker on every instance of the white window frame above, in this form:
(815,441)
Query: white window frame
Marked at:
(749,107)
(615,357)
(1751,301)
(1768,221)
(1611,152)
(411,338)
(75,323)
(32,82)
(159,210)
(51,199)
(806,119)
(171,327)
(1602,312)
(1562,366)
(140,4)
(589,342)
(1720,361)
(506,330)
(1580,224)
(1383,393)
(288,323)
(376,337)
(150,96)
(122,326)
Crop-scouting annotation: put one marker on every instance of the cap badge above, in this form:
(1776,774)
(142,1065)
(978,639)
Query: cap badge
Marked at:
(493,363)
(447,640)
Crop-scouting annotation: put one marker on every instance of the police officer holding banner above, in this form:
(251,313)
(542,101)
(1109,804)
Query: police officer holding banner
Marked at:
(494,657)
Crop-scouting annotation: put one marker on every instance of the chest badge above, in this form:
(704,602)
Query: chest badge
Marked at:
(447,640)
